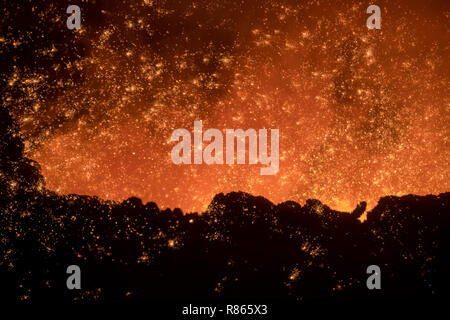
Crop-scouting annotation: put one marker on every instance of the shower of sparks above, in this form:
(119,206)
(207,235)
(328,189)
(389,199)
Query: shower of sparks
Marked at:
(362,113)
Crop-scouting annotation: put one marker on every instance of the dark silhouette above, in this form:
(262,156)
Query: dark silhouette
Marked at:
(241,247)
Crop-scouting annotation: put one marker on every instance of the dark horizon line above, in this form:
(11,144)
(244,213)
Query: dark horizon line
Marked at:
(130,199)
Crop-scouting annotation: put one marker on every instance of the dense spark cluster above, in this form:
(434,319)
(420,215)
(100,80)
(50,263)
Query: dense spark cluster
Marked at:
(362,113)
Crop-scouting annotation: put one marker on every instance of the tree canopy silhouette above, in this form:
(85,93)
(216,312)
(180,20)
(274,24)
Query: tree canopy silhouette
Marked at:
(242,246)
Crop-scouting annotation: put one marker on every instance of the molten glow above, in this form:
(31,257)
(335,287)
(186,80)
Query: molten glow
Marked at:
(361,113)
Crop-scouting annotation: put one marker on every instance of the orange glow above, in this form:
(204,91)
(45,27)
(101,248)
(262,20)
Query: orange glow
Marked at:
(361,113)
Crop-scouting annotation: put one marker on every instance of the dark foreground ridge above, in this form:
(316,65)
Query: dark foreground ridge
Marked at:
(241,247)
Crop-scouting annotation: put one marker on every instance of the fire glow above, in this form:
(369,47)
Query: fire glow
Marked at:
(361,113)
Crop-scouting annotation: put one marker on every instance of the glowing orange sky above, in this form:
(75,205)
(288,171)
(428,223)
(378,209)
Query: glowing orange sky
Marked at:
(361,113)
